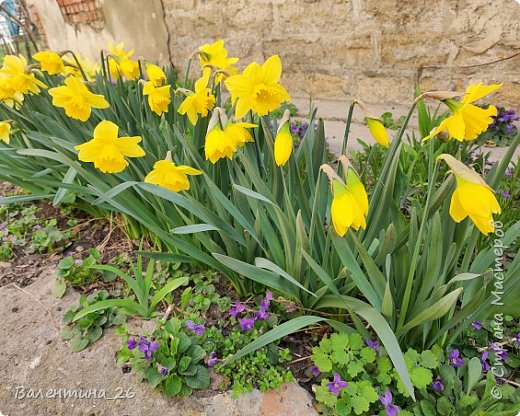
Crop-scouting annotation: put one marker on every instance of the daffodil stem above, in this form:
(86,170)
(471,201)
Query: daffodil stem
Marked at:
(418,243)
(347,127)
(79,65)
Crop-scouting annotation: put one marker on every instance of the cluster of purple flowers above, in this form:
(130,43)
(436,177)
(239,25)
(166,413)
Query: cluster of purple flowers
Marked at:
(504,121)
(300,129)
(247,323)
(196,329)
(147,347)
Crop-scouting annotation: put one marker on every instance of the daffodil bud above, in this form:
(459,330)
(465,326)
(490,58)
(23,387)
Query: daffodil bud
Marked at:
(378,131)
(283,143)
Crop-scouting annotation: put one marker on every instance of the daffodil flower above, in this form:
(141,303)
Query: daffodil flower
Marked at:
(378,131)
(120,63)
(472,198)
(174,177)
(107,151)
(467,120)
(224,138)
(5,131)
(283,142)
(159,98)
(20,79)
(257,88)
(215,55)
(76,99)
(350,201)
(50,62)
(155,74)
(8,94)
(201,101)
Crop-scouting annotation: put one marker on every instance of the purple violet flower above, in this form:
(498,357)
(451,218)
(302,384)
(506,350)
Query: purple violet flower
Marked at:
(262,314)
(78,262)
(336,384)
(500,351)
(438,384)
(163,371)
(372,344)
(147,347)
(130,342)
(517,339)
(387,400)
(505,193)
(237,309)
(483,359)
(455,358)
(247,324)
(477,325)
(314,370)
(212,359)
(197,329)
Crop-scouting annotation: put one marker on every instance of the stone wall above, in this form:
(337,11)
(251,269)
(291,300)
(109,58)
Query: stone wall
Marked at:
(337,49)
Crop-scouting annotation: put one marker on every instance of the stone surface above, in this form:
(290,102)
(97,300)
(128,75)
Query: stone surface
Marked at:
(373,50)
(33,356)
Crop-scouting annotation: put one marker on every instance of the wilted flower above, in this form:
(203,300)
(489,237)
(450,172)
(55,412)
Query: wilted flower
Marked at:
(107,151)
(455,359)
(387,400)
(247,324)
(50,62)
(257,88)
(438,384)
(336,384)
(473,197)
(167,174)
(76,99)
(236,309)
(468,120)
(283,143)
(197,329)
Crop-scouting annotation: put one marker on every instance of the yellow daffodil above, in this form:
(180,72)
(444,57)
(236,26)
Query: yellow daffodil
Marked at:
(5,131)
(467,120)
(159,98)
(283,143)
(472,198)
(216,55)
(90,69)
(224,138)
(238,133)
(50,62)
(120,63)
(8,94)
(257,88)
(155,74)
(350,202)
(107,151)
(378,131)
(21,80)
(167,174)
(201,101)
(76,99)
